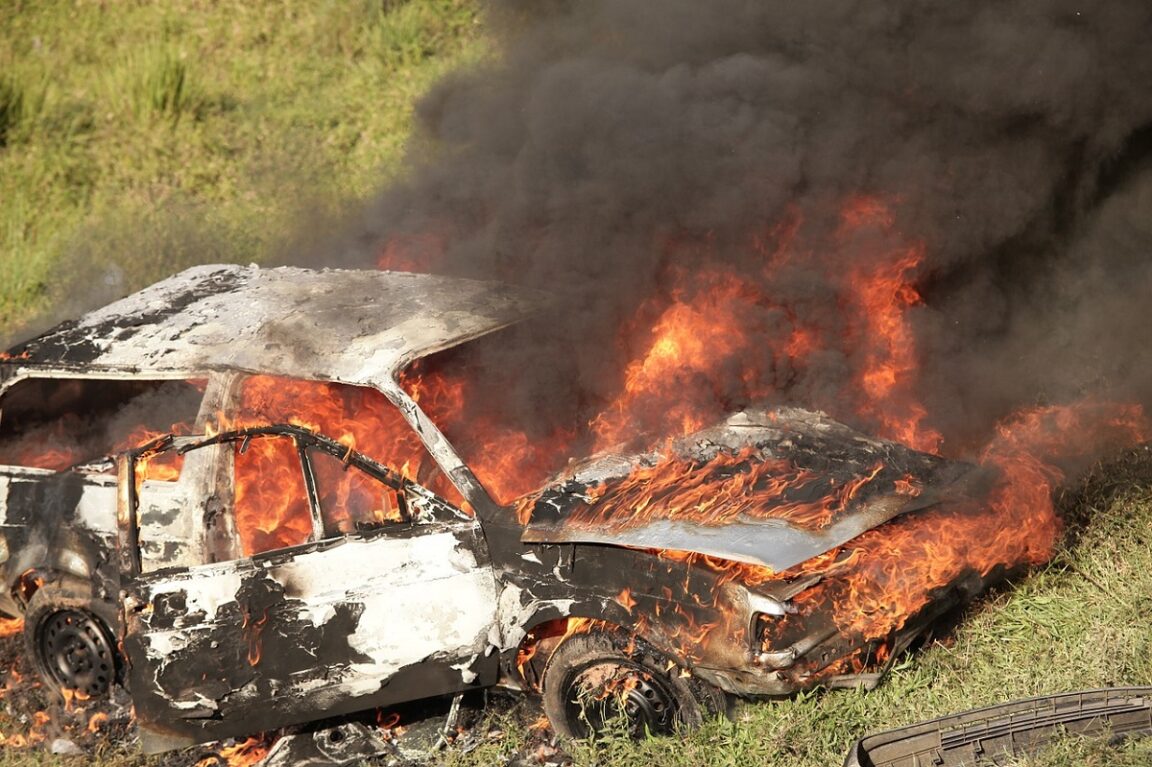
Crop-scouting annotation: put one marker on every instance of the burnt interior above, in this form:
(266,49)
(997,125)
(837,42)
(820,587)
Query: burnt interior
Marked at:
(472,387)
(55,423)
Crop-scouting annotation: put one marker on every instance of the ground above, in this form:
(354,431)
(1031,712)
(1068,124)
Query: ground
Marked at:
(136,139)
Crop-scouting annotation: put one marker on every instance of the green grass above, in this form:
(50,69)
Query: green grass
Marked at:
(138,138)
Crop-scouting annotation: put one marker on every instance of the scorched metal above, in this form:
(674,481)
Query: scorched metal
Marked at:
(374,581)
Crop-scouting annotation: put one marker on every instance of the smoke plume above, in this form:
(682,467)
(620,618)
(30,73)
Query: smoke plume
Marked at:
(617,152)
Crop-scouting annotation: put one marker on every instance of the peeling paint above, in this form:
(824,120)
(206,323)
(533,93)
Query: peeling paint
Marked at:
(466,673)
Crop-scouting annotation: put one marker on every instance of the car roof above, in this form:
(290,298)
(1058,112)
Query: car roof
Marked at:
(357,327)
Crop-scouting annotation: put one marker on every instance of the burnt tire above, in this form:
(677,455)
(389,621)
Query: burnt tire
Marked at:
(68,639)
(594,680)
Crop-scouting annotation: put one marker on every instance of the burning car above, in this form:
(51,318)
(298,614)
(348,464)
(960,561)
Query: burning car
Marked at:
(252,572)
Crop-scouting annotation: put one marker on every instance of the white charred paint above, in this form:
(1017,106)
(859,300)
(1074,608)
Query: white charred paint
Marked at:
(4,483)
(162,644)
(318,615)
(515,614)
(96,509)
(359,327)
(421,596)
(206,587)
(467,675)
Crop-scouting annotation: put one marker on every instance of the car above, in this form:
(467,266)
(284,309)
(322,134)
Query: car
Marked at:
(247,573)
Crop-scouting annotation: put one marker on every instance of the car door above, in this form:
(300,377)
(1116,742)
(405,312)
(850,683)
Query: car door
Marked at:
(364,603)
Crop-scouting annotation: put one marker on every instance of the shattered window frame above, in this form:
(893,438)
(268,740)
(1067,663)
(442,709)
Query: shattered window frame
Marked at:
(330,509)
(304,441)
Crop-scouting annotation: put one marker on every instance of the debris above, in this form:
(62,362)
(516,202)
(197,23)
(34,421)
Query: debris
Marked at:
(65,747)
(342,744)
(986,736)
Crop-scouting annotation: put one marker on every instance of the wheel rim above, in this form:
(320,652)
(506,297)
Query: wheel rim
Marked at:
(75,652)
(602,692)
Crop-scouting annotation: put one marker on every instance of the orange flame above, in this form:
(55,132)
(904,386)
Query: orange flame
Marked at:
(253,628)
(885,576)
(245,754)
(11,626)
(32,737)
(271,505)
(724,489)
(710,324)
(97,721)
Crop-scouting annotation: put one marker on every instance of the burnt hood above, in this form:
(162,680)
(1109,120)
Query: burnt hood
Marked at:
(771,487)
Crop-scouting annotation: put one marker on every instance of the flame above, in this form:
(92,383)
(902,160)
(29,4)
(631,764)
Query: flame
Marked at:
(163,467)
(388,722)
(35,734)
(245,754)
(725,489)
(11,626)
(271,505)
(691,338)
(411,253)
(253,628)
(889,370)
(882,578)
(546,637)
(711,342)
(708,341)
(712,322)
(509,462)
(71,696)
(97,721)
(70,439)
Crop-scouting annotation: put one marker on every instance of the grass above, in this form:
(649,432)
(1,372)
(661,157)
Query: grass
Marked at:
(137,138)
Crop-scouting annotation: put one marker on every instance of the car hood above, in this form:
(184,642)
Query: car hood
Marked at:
(771,487)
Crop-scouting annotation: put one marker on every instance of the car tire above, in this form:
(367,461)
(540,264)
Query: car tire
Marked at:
(69,640)
(594,680)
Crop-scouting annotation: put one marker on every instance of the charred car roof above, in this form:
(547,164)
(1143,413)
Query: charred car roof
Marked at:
(356,327)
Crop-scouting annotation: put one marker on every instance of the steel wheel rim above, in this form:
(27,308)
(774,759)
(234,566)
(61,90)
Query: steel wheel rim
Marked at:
(76,653)
(600,692)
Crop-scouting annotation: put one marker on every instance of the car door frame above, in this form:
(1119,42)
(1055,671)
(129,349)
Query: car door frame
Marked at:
(160,625)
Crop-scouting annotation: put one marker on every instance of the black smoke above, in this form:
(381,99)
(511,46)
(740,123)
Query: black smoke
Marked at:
(608,143)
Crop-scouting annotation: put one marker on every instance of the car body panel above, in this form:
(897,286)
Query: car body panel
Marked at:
(806,440)
(355,327)
(322,626)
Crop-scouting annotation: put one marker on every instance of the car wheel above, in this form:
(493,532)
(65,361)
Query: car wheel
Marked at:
(593,681)
(68,639)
